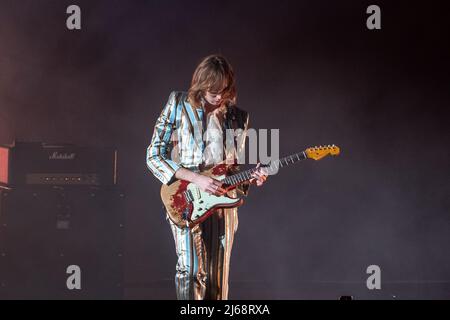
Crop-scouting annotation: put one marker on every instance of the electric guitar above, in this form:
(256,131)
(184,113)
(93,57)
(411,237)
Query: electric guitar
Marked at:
(188,206)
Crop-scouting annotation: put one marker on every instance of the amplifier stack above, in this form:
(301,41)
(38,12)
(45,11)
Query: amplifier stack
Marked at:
(61,223)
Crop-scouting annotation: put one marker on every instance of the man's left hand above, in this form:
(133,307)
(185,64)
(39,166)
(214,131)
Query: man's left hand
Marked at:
(259,176)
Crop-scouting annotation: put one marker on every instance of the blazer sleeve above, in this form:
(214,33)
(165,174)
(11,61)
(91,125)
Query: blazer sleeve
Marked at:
(158,160)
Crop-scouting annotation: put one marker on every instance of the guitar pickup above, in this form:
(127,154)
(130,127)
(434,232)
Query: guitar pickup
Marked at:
(188,196)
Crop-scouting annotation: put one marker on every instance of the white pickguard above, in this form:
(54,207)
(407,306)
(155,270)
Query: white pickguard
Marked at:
(203,201)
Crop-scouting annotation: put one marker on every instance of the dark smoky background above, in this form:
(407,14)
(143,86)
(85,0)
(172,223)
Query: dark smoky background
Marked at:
(308,68)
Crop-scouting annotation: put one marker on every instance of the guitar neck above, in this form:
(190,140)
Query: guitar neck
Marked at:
(274,166)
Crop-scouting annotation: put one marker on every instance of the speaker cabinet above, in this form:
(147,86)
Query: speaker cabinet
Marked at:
(61,243)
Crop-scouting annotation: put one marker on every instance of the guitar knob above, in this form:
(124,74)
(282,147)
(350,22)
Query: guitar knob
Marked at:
(185,214)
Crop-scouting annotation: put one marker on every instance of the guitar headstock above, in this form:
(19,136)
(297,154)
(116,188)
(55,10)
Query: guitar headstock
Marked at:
(319,152)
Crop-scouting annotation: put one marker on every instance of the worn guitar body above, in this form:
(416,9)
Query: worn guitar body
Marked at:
(187,205)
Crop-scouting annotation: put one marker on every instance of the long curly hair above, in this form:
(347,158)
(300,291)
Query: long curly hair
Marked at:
(214,74)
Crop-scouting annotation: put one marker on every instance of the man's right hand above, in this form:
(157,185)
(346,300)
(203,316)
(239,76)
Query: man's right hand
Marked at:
(209,185)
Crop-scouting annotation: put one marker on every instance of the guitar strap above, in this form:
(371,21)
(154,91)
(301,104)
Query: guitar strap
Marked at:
(235,118)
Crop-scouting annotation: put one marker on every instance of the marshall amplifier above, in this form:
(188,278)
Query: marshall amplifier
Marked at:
(36,163)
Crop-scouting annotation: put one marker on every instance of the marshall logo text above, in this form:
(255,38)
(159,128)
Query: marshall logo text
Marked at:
(61,156)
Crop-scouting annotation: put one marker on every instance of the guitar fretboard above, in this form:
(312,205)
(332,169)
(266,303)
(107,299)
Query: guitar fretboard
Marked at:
(274,166)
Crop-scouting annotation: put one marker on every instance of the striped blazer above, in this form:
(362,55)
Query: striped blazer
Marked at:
(177,139)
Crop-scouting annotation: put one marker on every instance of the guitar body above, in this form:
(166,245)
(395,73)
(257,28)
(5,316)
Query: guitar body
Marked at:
(187,205)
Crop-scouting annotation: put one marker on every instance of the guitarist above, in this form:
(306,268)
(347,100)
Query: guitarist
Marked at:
(204,250)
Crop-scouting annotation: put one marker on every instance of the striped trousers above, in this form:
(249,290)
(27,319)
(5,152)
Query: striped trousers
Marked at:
(204,253)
